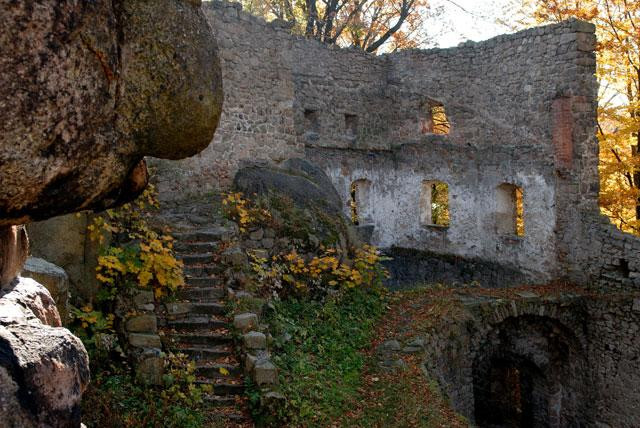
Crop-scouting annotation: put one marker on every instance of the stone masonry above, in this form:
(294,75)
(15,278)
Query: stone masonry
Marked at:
(521,110)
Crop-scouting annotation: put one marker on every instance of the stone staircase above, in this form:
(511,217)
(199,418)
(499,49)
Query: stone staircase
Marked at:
(197,326)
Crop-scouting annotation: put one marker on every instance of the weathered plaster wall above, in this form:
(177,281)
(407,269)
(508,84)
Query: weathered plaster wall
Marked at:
(396,180)
(522,109)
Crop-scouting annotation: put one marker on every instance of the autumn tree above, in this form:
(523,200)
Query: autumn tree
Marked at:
(366,24)
(618,69)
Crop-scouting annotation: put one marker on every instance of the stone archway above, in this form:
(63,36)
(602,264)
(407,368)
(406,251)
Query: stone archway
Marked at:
(530,372)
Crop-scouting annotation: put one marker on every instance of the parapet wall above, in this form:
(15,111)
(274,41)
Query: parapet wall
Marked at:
(521,110)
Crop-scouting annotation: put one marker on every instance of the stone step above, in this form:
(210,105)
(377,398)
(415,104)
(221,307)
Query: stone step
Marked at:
(228,418)
(223,388)
(206,235)
(197,309)
(220,400)
(196,259)
(183,247)
(200,271)
(213,370)
(201,293)
(195,322)
(205,352)
(203,281)
(202,338)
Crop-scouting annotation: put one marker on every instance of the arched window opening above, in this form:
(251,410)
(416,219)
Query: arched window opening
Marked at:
(434,204)
(436,120)
(360,203)
(510,210)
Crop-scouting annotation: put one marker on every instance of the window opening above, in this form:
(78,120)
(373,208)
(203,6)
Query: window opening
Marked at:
(510,210)
(434,204)
(351,124)
(360,204)
(311,120)
(436,120)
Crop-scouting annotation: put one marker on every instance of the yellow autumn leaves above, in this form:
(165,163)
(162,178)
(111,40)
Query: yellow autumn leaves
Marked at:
(292,273)
(241,211)
(145,259)
(145,264)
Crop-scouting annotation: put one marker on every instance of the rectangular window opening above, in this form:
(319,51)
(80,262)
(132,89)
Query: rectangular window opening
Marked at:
(311,120)
(351,124)
(440,122)
(360,204)
(510,210)
(519,211)
(434,204)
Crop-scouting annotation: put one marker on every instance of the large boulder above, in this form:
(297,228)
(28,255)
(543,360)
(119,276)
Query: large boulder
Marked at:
(72,250)
(303,202)
(88,88)
(44,369)
(55,280)
(304,183)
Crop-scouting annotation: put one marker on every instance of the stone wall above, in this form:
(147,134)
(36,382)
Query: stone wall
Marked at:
(521,110)
(583,347)
(257,121)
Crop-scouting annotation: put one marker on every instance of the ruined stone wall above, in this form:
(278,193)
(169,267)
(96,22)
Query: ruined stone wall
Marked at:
(521,108)
(591,338)
(257,119)
(498,96)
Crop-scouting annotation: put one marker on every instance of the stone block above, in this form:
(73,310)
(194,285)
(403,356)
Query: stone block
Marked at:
(142,340)
(636,305)
(146,323)
(235,257)
(245,322)
(255,340)
(267,243)
(143,297)
(583,26)
(150,370)
(265,372)
(586,42)
(256,235)
(178,308)
(249,363)
(390,345)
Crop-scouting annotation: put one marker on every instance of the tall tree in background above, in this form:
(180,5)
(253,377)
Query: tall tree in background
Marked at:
(365,24)
(618,30)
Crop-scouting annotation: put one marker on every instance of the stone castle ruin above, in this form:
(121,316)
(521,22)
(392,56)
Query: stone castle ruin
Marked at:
(475,164)
(502,132)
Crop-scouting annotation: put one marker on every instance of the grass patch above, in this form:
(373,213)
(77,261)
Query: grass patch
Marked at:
(402,396)
(399,398)
(318,349)
(118,401)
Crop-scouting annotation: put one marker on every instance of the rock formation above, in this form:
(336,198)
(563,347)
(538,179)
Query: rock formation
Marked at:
(88,89)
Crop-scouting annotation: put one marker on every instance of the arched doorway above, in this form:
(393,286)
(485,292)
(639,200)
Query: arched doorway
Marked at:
(530,372)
